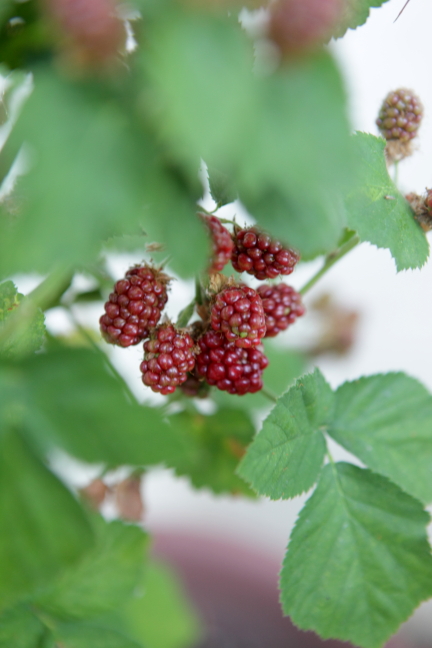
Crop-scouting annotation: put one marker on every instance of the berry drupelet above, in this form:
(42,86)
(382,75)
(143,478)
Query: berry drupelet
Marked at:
(256,253)
(228,367)
(135,306)
(282,305)
(238,313)
(168,358)
(222,243)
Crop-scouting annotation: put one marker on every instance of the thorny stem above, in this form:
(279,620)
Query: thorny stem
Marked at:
(330,260)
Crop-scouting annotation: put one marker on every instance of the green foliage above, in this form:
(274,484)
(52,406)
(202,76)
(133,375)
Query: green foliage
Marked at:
(20,628)
(286,457)
(355,13)
(158,615)
(218,442)
(358,561)
(84,635)
(45,528)
(378,212)
(20,341)
(103,579)
(385,420)
(70,397)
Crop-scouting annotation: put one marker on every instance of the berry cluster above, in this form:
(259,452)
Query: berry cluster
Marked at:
(224,348)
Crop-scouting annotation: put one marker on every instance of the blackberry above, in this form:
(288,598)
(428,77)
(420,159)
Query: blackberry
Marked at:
(228,367)
(193,387)
(222,243)
(92,30)
(169,356)
(300,26)
(398,121)
(256,253)
(134,307)
(422,208)
(238,313)
(282,305)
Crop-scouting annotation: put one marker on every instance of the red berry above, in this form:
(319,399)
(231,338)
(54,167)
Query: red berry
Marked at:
(193,387)
(259,255)
(222,243)
(238,313)
(228,367)
(428,201)
(134,307)
(91,27)
(300,26)
(168,358)
(400,115)
(282,305)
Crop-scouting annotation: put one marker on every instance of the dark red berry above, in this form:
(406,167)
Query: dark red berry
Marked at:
(400,115)
(91,29)
(168,358)
(282,305)
(238,313)
(300,26)
(256,253)
(221,241)
(135,306)
(228,367)
(193,387)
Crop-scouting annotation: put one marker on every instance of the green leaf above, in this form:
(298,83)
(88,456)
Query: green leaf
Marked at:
(221,187)
(386,421)
(355,13)
(105,577)
(358,562)
(217,442)
(73,399)
(21,340)
(44,528)
(97,175)
(20,628)
(199,70)
(285,458)
(379,213)
(159,615)
(83,635)
(285,178)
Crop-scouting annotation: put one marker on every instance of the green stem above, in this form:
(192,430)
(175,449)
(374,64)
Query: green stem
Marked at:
(269,394)
(331,259)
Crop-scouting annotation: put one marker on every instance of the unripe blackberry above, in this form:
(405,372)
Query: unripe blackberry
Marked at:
(168,358)
(92,30)
(193,387)
(301,26)
(256,253)
(282,305)
(238,313)
(228,367)
(400,115)
(222,243)
(135,306)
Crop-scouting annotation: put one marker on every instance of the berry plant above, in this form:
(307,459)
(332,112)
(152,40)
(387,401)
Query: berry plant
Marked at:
(118,124)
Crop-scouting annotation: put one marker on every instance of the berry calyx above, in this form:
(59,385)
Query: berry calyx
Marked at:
(168,357)
(135,306)
(228,367)
(282,305)
(222,243)
(256,253)
(422,208)
(399,119)
(301,26)
(238,313)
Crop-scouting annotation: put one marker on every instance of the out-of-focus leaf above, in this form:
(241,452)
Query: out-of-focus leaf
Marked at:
(23,340)
(105,577)
(354,14)
(218,442)
(20,628)
(44,529)
(159,614)
(86,635)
